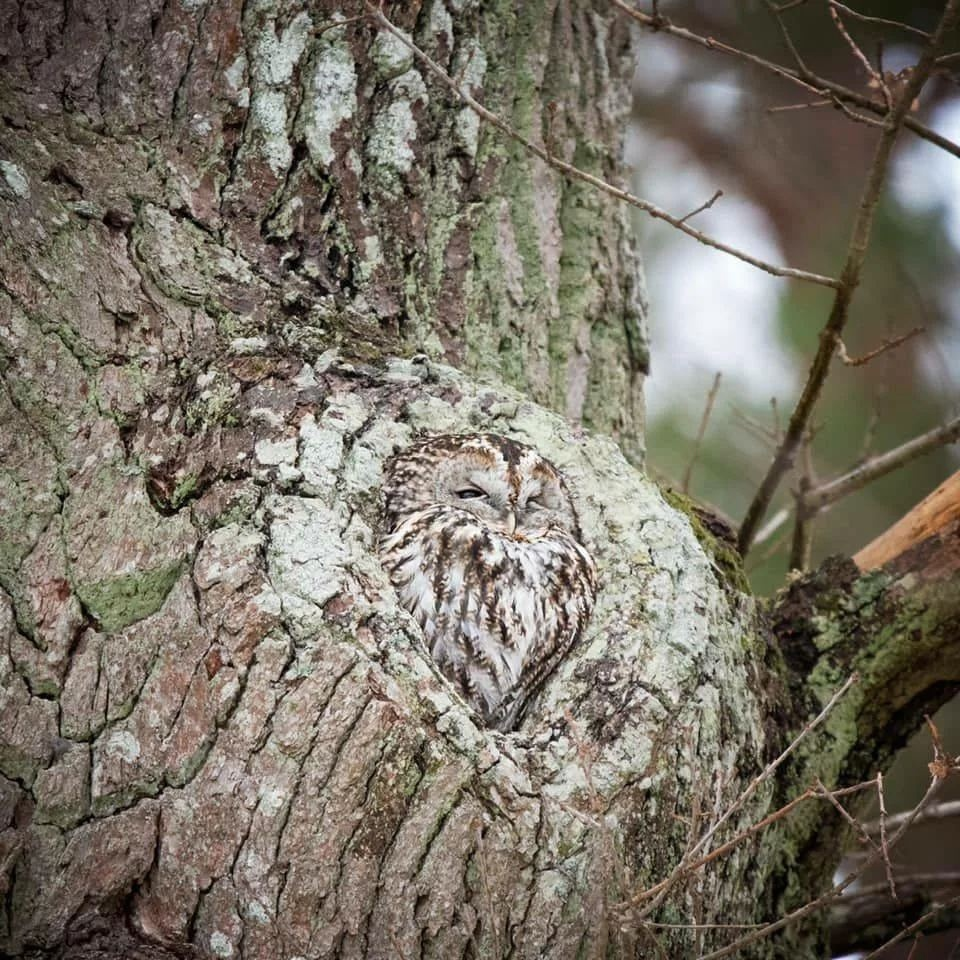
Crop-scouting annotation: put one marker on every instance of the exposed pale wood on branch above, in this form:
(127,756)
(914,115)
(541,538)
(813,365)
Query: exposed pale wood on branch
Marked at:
(939,513)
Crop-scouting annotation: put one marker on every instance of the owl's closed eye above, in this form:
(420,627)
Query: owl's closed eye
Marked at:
(483,546)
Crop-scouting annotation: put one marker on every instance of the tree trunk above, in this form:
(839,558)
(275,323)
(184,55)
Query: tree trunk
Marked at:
(223,228)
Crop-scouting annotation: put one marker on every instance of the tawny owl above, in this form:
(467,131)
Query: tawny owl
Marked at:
(483,546)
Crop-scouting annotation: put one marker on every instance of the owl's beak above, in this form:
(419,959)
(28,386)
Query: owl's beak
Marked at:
(511,522)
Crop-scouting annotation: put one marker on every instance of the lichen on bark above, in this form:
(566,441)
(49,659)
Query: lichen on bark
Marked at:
(225,303)
(289,673)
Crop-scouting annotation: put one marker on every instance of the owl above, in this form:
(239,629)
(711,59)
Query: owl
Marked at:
(483,546)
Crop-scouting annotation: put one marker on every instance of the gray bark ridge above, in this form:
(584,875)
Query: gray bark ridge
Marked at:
(350,195)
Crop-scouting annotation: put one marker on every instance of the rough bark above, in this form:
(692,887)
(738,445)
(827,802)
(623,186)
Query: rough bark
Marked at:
(356,205)
(222,227)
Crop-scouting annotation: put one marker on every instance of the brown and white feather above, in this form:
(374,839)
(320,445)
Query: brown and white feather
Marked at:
(483,545)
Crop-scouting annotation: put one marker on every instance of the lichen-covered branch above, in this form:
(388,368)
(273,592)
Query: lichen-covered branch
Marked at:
(898,626)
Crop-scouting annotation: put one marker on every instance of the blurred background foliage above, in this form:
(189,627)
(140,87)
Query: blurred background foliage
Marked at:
(791,182)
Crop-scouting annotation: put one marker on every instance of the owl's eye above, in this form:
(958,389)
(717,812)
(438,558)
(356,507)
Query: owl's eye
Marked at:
(470,493)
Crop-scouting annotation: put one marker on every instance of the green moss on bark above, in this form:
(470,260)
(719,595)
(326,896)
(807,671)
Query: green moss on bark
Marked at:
(116,602)
(726,557)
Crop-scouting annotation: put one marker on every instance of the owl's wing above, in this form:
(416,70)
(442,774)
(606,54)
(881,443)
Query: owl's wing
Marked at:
(568,597)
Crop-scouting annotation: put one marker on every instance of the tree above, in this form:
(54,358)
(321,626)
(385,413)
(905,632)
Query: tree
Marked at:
(248,252)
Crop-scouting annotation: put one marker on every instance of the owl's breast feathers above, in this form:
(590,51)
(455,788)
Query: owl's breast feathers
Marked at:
(498,611)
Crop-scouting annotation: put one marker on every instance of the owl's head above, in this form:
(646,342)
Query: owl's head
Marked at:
(506,485)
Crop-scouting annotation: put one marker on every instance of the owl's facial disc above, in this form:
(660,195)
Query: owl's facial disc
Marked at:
(509,490)
(480,491)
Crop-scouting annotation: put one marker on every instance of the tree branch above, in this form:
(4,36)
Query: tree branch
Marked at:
(869,919)
(831,895)
(939,811)
(575,173)
(693,858)
(849,280)
(896,24)
(890,344)
(820,497)
(821,86)
(704,420)
(897,626)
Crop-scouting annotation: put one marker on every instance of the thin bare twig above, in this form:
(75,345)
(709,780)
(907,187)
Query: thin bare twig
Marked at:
(875,76)
(911,883)
(881,465)
(855,824)
(876,352)
(575,173)
(884,846)
(856,117)
(804,71)
(773,766)
(704,420)
(939,811)
(334,24)
(913,928)
(821,86)
(873,421)
(942,766)
(703,206)
(756,429)
(785,33)
(802,546)
(656,893)
(832,894)
(775,412)
(866,916)
(850,278)
(702,926)
(717,852)
(659,890)
(801,106)
(834,102)
(801,543)
(880,390)
(880,20)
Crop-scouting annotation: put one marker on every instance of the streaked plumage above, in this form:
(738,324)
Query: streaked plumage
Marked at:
(483,546)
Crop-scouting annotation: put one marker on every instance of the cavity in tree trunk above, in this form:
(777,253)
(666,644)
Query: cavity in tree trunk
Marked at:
(249,252)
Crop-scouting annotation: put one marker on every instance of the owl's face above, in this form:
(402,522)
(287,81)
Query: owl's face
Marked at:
(506,486)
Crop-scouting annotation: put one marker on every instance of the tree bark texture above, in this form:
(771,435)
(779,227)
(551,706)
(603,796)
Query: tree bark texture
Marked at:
(248,253)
